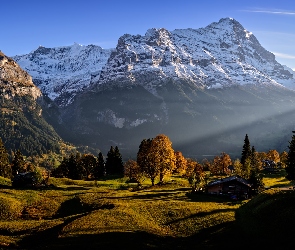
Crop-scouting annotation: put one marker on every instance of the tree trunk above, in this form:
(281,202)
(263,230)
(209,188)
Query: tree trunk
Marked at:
(153,181)
(161,177)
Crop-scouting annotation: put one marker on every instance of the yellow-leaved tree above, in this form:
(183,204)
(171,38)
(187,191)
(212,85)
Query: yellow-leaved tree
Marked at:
(273,155)
(162,155)
(180,163)
(156,157)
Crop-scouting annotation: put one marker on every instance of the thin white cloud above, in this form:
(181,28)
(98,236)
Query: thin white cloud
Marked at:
(276,12)
(285,56)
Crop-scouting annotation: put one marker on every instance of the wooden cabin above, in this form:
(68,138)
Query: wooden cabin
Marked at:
(234,186)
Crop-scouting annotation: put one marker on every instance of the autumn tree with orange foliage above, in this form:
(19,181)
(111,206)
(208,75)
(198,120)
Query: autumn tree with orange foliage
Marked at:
(133,172)
(195,174)
(180,163)
(283,159)
(220,164)
(162,155)
(273,155)
(144,160)
(156,157)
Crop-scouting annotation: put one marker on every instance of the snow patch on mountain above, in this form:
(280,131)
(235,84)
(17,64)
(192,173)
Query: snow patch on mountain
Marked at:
(222,54)
(62,72)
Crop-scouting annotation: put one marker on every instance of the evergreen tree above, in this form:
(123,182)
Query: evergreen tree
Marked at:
(62,170)
(246,152)
(77,171)
(86,166)
(18,163)
(5,168)
(99,170)
(256,181)
(119,166)
(110,162)
(114,164)
(290,163)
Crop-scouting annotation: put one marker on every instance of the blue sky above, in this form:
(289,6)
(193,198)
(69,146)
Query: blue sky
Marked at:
(28,24)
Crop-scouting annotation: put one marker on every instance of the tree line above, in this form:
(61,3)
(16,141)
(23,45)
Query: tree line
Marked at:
(156,159)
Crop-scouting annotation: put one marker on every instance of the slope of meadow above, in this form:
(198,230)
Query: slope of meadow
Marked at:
(110,214)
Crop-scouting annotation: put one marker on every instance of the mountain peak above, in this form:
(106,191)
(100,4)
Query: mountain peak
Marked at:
(62,72)
(222,54)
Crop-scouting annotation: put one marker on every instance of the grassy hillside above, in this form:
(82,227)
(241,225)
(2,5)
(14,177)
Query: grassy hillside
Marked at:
(269,217)
(113,214)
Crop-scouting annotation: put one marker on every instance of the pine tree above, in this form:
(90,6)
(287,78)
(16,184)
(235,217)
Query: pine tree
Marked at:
(246,152)
(5,168)
(18,163)
(290,163)
(99,170)
(110,161)
(119,166)
(114,164)
(256,181)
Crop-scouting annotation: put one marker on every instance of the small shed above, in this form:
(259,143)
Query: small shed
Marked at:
(234,186)
(27,179)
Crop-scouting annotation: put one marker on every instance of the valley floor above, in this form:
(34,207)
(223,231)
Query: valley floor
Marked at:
(111,214)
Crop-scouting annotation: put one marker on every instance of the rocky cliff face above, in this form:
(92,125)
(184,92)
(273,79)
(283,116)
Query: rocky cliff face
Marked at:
(21,123)
(15,81)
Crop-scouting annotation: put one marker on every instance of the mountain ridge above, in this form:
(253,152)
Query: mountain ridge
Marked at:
(223,50)
(205,88)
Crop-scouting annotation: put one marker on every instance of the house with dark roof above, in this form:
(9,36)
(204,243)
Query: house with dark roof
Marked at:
(234,186)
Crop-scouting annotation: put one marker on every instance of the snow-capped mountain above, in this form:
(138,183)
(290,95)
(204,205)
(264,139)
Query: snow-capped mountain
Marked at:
(205,88)
(221,54)
(63,72)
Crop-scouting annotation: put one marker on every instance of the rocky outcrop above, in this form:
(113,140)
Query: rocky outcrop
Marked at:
(15,81)
(22,126)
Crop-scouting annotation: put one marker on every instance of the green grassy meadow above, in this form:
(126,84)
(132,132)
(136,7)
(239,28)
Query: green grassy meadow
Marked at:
(111,214)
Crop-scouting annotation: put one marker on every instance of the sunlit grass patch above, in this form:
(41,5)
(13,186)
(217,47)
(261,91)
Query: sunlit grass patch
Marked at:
(10,208)
(5,181)
(276,179)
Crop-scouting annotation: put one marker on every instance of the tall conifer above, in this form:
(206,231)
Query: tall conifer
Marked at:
(290,164)
(99,170)
(5,168)
(246,152)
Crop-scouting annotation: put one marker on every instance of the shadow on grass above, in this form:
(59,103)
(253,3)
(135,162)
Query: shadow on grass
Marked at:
(205,197)
(159,194)
(201,214)
(223,236)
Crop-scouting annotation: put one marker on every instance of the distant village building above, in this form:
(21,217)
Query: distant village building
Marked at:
(235,187)
(270,165)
